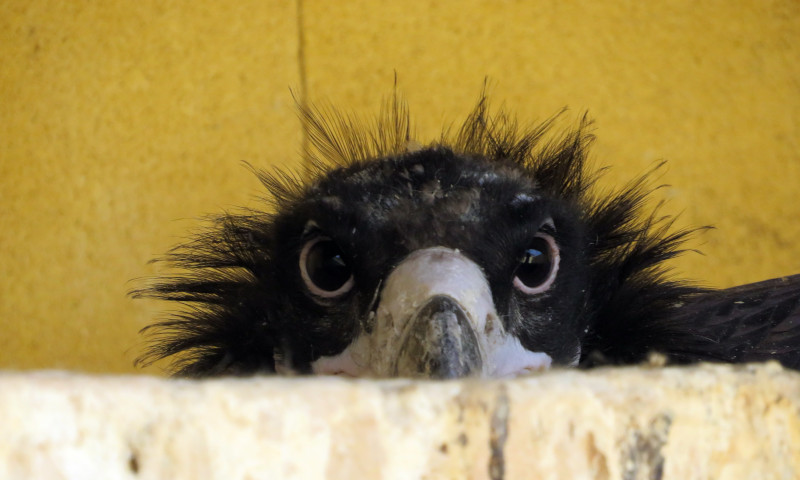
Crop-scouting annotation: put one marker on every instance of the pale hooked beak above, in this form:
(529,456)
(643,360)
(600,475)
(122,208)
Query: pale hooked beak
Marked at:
(440,342)
(435,319)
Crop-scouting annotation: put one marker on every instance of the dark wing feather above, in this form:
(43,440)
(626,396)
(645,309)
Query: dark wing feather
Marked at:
(748,323)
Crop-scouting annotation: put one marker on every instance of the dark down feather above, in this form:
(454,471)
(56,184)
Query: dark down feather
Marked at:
(484,190)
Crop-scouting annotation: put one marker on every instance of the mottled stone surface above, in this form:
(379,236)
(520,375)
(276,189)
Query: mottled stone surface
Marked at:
(709,422)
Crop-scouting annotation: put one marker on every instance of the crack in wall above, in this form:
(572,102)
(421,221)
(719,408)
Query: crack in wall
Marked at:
(302,97)
(498,433)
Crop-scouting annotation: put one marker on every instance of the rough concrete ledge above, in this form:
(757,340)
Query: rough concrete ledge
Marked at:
(708,422)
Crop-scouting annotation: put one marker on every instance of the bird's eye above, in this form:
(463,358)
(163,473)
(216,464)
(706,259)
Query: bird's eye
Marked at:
(537,266)
(324,269)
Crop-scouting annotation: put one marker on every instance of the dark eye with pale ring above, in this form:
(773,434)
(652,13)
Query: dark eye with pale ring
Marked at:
(538,265)
(324,269)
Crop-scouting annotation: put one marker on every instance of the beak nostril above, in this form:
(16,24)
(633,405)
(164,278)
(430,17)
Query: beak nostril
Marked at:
(488,327)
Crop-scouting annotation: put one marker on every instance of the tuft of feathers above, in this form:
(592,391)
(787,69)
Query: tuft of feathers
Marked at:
(236,315)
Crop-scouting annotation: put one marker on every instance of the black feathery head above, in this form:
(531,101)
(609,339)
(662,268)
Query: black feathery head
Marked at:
(258,289)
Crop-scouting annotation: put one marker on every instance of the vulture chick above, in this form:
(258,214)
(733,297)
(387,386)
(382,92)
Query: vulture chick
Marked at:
(483,254)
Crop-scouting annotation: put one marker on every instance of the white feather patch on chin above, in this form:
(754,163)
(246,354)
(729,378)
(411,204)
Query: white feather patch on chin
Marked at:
(352,362)
(512,360)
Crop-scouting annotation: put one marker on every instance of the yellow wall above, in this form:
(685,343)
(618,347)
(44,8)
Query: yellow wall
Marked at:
(121,122)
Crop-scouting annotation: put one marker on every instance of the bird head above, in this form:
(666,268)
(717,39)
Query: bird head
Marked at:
(431,263)
(483,254)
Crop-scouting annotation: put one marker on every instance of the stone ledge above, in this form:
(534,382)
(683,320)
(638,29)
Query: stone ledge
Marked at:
(706,422)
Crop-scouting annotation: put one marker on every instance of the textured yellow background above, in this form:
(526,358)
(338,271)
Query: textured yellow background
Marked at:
(122,122)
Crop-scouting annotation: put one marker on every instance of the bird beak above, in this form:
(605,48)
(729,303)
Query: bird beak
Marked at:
(439,342)
(435,318)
